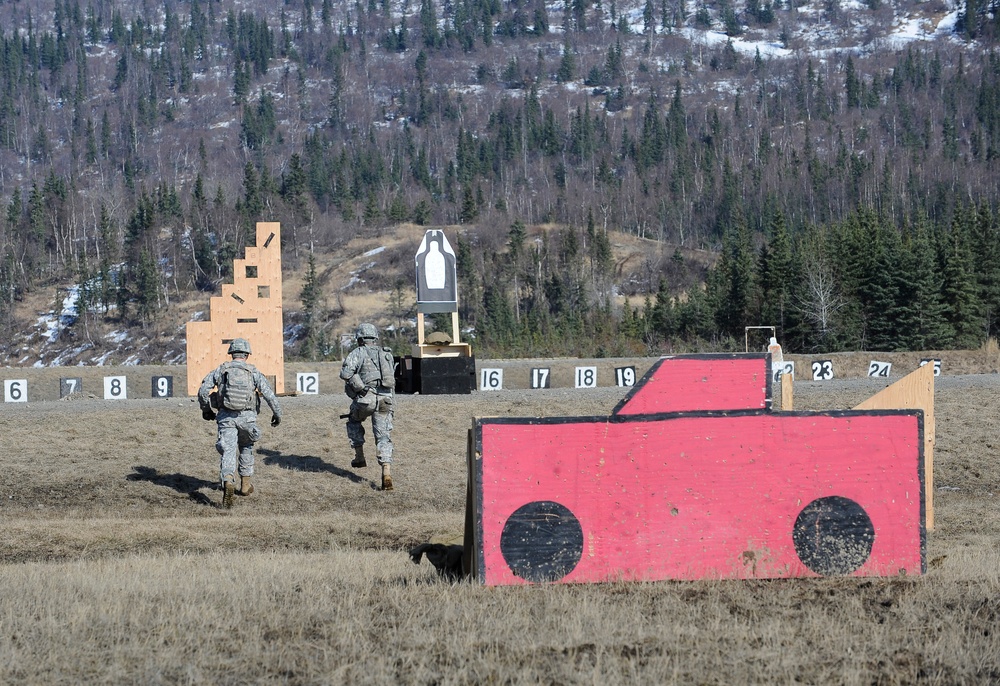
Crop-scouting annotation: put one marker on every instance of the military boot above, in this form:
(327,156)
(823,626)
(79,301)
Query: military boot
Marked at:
(246,488)
(359,457)
(228,489)
(386,478)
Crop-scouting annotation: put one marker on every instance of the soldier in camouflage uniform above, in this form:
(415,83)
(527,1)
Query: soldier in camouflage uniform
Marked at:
(237,400)
(369,376)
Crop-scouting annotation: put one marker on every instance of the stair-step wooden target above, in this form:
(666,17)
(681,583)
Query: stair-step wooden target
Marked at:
(249,308)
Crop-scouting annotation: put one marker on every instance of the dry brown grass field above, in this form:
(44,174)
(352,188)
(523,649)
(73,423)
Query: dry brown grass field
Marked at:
(117,564)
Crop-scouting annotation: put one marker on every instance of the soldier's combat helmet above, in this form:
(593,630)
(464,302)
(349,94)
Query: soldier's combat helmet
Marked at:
(239,345)
(366,331)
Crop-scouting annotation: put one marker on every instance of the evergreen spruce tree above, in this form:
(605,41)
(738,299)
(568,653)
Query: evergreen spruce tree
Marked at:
(731,283)
(776,275)
(311,313)
(662,313)
(921,321)
(959,291)
(986,254)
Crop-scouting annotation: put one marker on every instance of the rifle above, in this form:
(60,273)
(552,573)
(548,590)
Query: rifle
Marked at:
(345,416)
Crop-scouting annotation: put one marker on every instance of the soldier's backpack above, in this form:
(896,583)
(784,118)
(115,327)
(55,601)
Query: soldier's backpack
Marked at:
(387,367)
(237,389)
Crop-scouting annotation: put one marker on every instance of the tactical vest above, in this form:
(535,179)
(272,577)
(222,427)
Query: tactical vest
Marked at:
(237,390)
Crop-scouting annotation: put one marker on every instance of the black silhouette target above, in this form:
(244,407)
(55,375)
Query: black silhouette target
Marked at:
(833,536)
(542,541)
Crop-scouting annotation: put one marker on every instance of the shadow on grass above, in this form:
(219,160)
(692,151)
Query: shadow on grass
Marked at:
(308,463)
(182,483)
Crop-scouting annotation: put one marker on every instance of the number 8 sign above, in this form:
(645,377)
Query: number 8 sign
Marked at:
(114,388)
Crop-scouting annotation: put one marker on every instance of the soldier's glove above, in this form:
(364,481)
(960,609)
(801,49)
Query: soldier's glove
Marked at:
(207,414)
(275,420)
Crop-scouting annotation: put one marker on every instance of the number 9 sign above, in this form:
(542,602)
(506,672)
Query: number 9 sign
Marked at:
(163,386)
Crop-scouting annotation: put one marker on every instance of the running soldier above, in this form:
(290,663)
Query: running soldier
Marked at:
(239,387)
(369,376)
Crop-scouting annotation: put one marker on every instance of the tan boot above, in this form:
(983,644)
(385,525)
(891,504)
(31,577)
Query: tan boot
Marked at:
(246,488)
(228,489)
(359,457)
(386,478)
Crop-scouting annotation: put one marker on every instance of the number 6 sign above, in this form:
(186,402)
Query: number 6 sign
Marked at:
(15,390)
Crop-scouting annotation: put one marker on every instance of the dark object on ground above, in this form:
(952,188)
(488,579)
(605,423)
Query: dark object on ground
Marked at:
(447,559)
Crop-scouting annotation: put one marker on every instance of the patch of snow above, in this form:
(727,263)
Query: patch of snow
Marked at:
(744,47)
(374,251)
(292,333)
(101,359)
(116,336)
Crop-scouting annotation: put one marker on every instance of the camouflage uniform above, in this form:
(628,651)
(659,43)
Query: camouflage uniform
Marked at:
(367,370)
(238,430)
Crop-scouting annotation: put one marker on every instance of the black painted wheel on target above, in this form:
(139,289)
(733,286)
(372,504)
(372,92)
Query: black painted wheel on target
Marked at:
(833,536)
(542,541)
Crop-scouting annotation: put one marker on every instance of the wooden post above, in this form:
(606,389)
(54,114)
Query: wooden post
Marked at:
(787,392)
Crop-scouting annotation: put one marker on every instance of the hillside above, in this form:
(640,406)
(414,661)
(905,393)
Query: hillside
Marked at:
(367,279)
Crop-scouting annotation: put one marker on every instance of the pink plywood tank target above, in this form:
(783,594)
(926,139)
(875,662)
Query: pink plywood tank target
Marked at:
(693,476)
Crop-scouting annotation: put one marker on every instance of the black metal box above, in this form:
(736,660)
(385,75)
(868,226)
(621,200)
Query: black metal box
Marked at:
(436,375)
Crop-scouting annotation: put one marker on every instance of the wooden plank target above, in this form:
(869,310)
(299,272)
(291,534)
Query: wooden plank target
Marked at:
(914,391)
(249,308)
(699,494)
